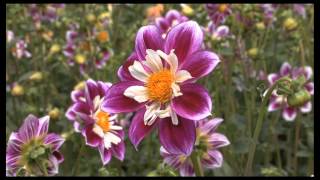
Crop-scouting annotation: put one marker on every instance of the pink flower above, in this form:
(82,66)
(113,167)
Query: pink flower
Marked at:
(158,81)
(218,12)
(207,145)
(99,127)
(31,144)
(20,50)
(280,101)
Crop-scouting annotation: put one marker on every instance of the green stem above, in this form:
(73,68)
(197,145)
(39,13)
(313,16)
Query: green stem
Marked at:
(257,130)
(296,143)
(42,168)
(196,164)
(76,164)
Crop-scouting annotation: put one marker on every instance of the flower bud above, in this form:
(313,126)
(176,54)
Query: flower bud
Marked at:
(253,52)
(80,59)
(55,48)
(91,17)
(80,86)
(54,113)
(17,90)
(260,26)
(187,10)
(36,76)
(299,98)
(290,24)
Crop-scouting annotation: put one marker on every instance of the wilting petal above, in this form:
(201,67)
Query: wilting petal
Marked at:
(289,113)
(115,100)
(272,78)
(185,38)
(310,87)
(201,63)
(53,140)
(92,139)
(177,139)
(218,140)
(213,160)
(306,108)
(119,150)
(194,104)
(148,37)
(285,69)
(123,71)
(186,169)
(104,154)
(138,130)
(210,125)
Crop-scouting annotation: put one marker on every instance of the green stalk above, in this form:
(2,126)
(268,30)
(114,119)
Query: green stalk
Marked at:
(296,143)
(196,164)
(76,164)
(257,130)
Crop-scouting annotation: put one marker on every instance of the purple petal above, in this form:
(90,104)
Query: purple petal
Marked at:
(148,37)
(162,24)
(123,71)
(306,108)
(171,159)
(289,113)
(310,87)
(172,15)
(91,91)
(54,169)
(116,102)
(177,139)
(210,125)
(92,139)
(29,129)
(119,150)
(53,140)
(285,69)
(194,104)
(274,105)
(76,95)
(103,88)
(213,160)
(186,169)
(138,130)
(105,154)
(58,156)
(307,72)
(200,63)
(218,140)
(272,78)
(43,125)
(186,38)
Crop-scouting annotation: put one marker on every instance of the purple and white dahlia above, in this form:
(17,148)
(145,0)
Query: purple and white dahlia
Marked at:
(207,144)
(158,81)
(32,151)
(218,12)
(277,101)
(99,128)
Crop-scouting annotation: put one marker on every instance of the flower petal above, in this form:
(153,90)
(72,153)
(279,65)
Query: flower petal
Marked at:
(153,60)
(209,125)
(285,69)
(289,114)
(148,37)
(177,139)
(171,159)
(29,128)
(115,100)
(214,159)
(43,125)
(105,154)
(54,140)
(182,75)
(123,71)
(274,105)
(272,78)
(119,150)
(186,169)
(137,129)
(138,93)
(306,108)
(218,140)
(184,38)
(310,87)
(92,139)
(201,63)
(138,72)
(194,104)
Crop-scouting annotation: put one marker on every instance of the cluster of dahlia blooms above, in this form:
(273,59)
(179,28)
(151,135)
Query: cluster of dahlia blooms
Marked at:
(299,99)
(19,50)
(78,47)
(32,151)
(208,141)
(100,128)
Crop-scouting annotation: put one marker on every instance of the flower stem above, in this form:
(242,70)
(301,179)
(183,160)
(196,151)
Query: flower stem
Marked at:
(76,165)
(296,143)
(257,130)
(196,164)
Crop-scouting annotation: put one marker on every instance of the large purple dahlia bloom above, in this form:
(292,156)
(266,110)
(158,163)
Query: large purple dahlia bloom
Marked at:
(99,128)
(280,101)
(32,151)
(158,81)
(207,144)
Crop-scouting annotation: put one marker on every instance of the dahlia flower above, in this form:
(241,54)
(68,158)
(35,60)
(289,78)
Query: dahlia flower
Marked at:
(207,144)
(20,50)
(300,9)
(172,18)
(45,13)
(277,101)
(98,127)
(217,32)
(218,12)
(158,81)
(32,150)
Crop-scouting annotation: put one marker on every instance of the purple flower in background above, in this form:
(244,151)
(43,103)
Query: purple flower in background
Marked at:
(207,144)
(20,50)
(300,9)
(32,150)
(158,81)
(172,18)
(218,32)
(44,13)
(99,128)
(268,11)
(218,12)
(280,101)
(10,36)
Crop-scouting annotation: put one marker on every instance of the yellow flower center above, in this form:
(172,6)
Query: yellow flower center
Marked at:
(103,121)
(159,86)
(222,8)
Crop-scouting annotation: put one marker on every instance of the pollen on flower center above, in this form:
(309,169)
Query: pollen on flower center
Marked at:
(159,86)
(222,8)
(103,121)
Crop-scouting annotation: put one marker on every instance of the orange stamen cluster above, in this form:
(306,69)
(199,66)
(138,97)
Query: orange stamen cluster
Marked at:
(159,86)
(103,121)
(222,8)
